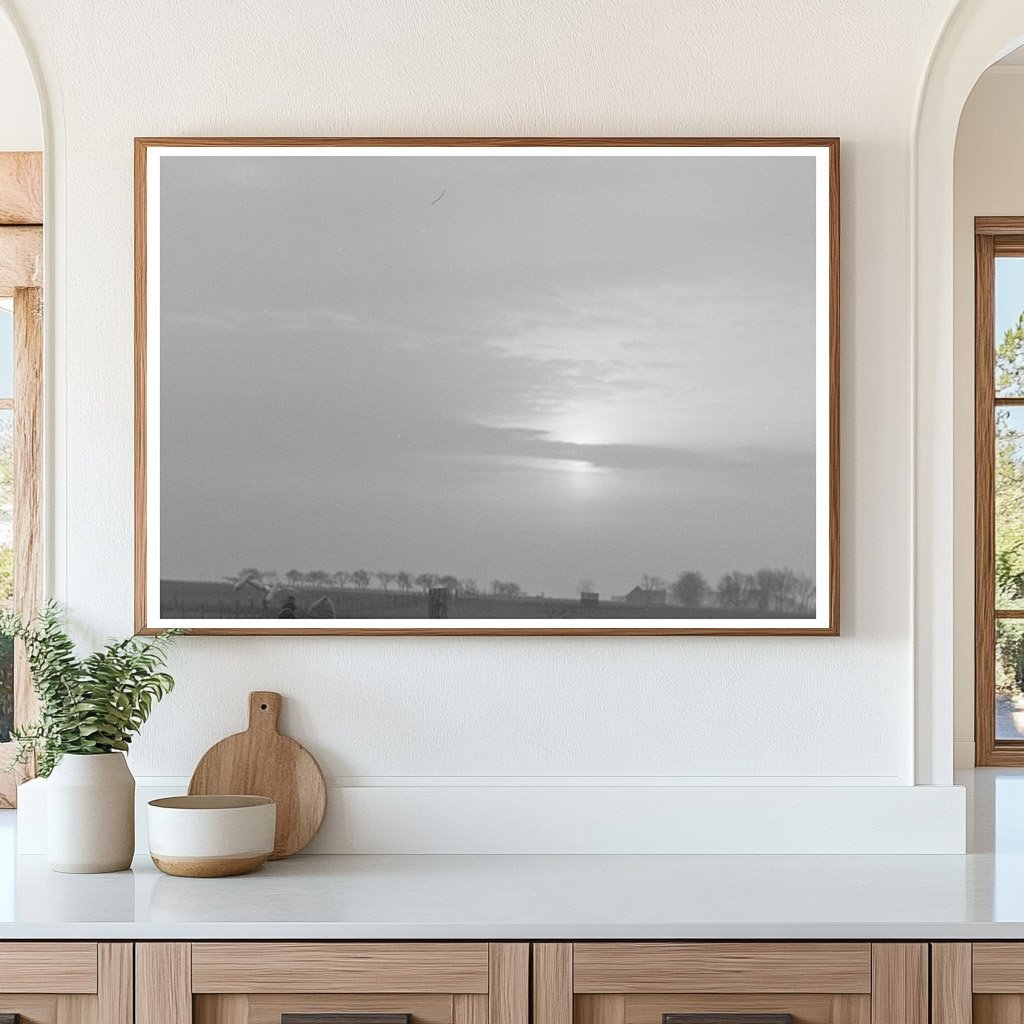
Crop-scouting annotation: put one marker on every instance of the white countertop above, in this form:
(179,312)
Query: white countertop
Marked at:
(539,897)
(978,896)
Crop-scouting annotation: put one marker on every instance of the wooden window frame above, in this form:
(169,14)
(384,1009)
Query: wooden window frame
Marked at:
(21,278)
(993,237)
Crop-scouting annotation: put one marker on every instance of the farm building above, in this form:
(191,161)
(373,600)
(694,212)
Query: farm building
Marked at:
(640,598)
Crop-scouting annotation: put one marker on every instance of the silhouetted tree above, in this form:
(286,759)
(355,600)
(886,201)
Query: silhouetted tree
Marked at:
(786,590)
(765,588)
(733,590)
(774,589)
(425,580)
(689,589)
(361,578)
(804,591)
(404,580)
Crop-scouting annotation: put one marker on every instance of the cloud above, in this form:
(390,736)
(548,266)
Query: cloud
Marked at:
(474,440)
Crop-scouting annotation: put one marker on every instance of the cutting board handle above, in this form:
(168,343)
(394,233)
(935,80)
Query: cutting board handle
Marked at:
(264,710)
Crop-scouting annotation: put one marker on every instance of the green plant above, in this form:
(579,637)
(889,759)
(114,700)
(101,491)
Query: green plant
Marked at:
(90,705)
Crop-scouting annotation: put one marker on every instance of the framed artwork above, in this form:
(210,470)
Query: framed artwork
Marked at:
(491,386)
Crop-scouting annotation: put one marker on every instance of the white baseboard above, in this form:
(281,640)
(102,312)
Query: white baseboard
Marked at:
(528,819)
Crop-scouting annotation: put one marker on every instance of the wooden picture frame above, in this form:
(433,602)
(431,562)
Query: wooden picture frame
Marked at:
(645,610)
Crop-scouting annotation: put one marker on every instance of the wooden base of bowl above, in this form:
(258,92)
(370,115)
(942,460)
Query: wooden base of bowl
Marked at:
(209,867)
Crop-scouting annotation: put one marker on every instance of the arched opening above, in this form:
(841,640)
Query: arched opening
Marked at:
(21,145)
(977,34)
(989,659)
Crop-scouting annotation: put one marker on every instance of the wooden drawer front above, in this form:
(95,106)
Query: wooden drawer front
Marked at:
(305,967)
(50,967)
(250,982)
(811,982)
(998,967)
(709,967)
(54,968)
(268,1009)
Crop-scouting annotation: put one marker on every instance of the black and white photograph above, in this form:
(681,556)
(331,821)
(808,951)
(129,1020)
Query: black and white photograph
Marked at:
(449,387)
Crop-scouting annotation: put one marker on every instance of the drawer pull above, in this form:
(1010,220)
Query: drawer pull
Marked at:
(727,1018)
(342,1018)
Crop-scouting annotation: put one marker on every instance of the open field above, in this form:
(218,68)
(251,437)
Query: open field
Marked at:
(185,599)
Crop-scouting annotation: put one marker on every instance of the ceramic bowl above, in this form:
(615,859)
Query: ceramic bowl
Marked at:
(211,836)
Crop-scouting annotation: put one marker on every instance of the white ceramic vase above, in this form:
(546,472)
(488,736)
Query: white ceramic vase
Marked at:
(90,814)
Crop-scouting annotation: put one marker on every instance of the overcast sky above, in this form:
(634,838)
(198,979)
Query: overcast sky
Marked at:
(533,369)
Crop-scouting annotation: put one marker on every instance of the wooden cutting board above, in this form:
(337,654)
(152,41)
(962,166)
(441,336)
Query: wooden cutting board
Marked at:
(262,762)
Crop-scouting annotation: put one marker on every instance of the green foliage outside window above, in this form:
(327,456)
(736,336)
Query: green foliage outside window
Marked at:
(1009,508)
(6,573)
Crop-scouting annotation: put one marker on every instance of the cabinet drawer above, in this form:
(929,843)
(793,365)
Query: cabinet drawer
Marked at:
(61,982)
(340,967)
(998,967)
(332,983)
(721,967)
(69,967)
(730,983)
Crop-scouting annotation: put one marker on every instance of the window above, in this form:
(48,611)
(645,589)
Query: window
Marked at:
(6,511)
(21,301)
(999,490)
(20,491)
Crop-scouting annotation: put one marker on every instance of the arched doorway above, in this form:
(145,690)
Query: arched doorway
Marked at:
(976,34)
(21,345)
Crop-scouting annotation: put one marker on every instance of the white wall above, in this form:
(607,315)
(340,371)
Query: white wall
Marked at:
(442,713)
(988,180)
(20,124)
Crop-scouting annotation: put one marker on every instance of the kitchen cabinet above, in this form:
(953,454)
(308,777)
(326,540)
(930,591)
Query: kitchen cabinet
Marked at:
(978,983)
(66,983)
(452,982)
(308,982)
(734,982)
